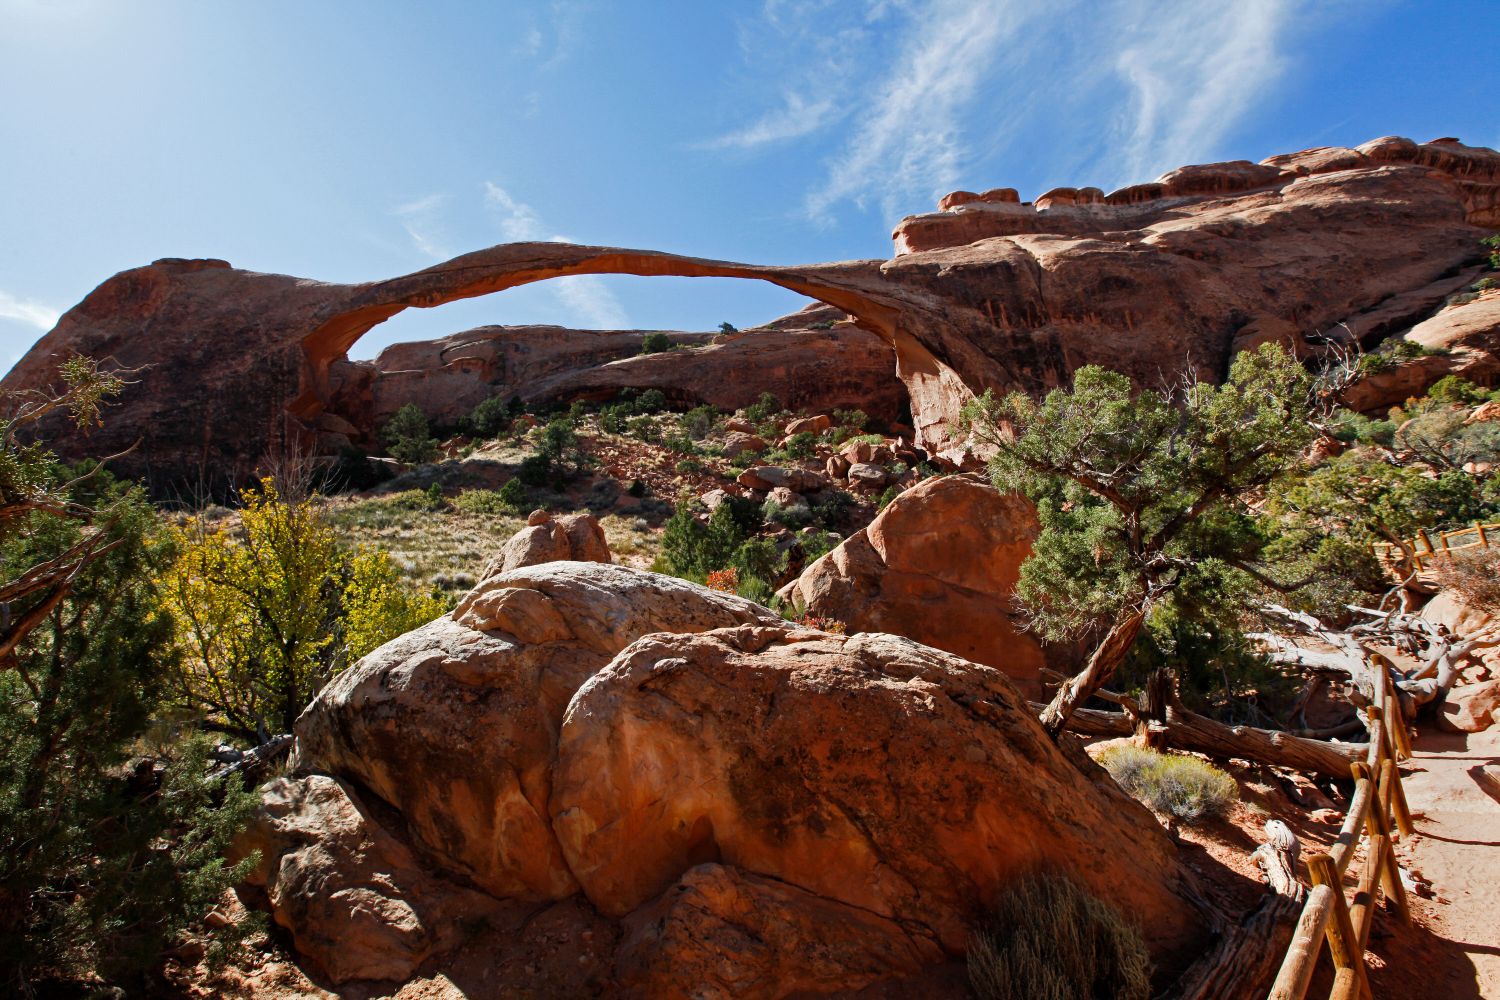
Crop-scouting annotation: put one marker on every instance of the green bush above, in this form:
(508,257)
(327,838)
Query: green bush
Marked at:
(801,445)
(891,493)
(1454,391)
(490,417)
(791,517)
(1185,788)
(643,428)
(764,408)
(485,501)
(699,422)
(688,466)
(651,401)
(727,328)
(655,343)
(534,470)
(407,438)
(1049,939)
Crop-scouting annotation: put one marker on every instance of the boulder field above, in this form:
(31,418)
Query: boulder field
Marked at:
(988,293)
(704,799)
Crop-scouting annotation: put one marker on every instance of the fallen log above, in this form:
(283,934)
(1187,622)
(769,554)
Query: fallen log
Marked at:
(1187,730)
(1242,962)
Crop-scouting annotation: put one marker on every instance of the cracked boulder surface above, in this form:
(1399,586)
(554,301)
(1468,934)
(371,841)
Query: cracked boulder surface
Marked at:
(991,293)
(759,809)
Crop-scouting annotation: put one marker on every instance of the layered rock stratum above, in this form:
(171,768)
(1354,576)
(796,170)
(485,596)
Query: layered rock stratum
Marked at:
(990,292)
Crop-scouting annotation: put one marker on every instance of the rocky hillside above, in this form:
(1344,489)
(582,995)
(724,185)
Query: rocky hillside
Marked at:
(989,292)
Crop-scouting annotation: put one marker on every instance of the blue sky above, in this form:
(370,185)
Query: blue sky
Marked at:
(350,141)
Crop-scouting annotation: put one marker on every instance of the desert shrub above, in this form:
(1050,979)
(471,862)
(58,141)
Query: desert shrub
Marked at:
(612,418)
(790,517)
(1049,939)
(407,437)
(491,417)
(801,445)
(264,616)
(891,493)
(763,409)
(832,507)
(483,502)
(1474,574)
(699,422)
(1185,788)
(534,470)
(655,343)
(688,466)
(728,328)
(1493,242)
(1452,390)
(643,428)
(854,420)
(681,443)
(651,401)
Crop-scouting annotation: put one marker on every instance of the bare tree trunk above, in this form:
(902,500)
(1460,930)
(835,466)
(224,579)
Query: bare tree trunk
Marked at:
(1199,734)
(1106,659)
(1241,964)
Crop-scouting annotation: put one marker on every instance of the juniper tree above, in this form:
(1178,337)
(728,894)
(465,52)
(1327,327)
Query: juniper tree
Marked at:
(1142,497)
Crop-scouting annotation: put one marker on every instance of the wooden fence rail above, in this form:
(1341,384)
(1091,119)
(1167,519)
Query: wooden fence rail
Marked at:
(1378,814)
(1423,550)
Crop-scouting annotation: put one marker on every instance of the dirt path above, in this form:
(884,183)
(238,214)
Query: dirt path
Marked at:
(1457,849)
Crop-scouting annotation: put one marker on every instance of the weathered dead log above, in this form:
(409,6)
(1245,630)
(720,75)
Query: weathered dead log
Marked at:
(1240,965)
(1189,731)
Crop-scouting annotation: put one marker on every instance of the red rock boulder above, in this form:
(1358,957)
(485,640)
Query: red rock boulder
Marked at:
(938,565)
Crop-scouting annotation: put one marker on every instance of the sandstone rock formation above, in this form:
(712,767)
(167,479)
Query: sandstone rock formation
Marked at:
(938,565)
(989,294)
(1471,708)
(356,900)
(1464,340)
(801,364)
(455,724)
(761,809)
(569,538)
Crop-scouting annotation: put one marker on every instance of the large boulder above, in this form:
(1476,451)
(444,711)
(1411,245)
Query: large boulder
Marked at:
(720,933)
(356,900)
(867,770)
(455,724)
(938,565)
(1471,708)
(571,537)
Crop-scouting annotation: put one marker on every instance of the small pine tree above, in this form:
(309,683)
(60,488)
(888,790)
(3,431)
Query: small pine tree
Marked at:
(407,436)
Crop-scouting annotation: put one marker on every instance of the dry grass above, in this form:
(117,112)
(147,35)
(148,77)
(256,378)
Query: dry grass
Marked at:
(1049,939)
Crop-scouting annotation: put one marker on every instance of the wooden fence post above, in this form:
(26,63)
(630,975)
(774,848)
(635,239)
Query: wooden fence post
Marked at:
(1343,941)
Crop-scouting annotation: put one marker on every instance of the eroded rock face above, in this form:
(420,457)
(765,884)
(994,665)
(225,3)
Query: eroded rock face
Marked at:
(749,808)
(989,294)
(1464,339)
(356,899)
(867,770)
(567,538)
(938,565)
(720,933)
(455,724)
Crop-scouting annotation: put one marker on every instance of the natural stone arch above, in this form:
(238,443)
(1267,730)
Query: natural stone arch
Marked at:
(857,288)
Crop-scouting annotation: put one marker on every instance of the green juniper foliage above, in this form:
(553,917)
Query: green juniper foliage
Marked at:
(100,864)
(1142,496)
(406,435)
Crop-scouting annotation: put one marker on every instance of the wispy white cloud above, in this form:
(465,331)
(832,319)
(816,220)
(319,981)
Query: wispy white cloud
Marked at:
(910,135)
(796,118)
(1194,70)
(516,220)
(912,95)
(28,311)
(585,296)
(422,221)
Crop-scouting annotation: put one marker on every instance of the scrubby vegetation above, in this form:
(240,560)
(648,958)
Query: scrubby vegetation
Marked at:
(1185,788)
(1049,939)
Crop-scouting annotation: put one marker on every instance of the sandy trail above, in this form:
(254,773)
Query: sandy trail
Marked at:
(1457,848)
